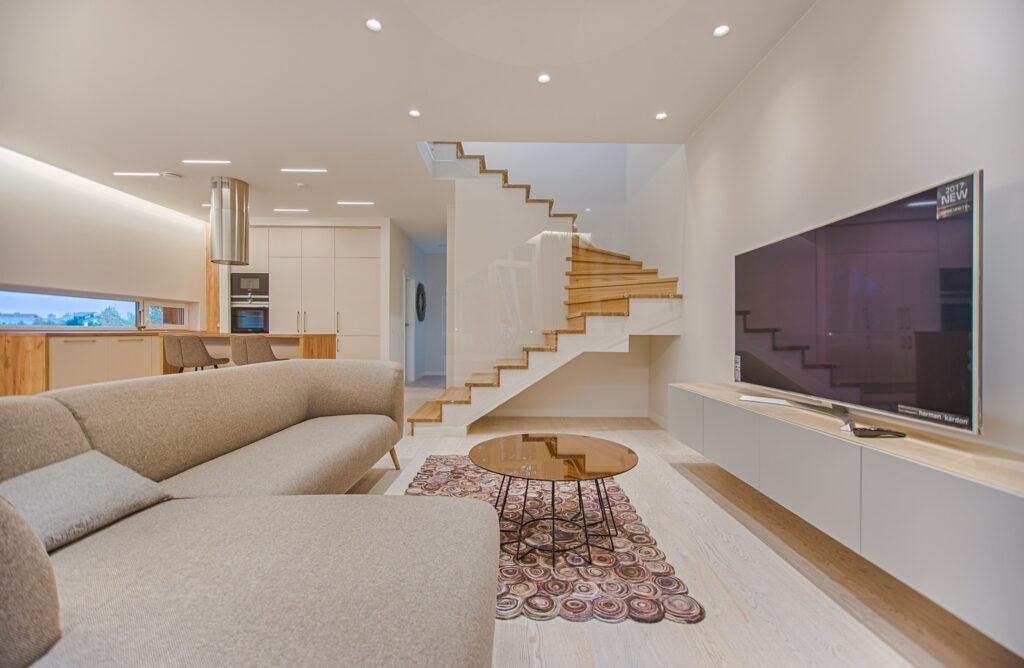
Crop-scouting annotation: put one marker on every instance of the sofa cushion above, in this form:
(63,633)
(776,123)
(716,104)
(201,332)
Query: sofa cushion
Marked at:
(34,432)
(277,581)
(163,425)
(69,499)
(320,456)
(29,608)
(355,387)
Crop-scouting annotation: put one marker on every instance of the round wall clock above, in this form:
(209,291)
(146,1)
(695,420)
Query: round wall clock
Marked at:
(421,302)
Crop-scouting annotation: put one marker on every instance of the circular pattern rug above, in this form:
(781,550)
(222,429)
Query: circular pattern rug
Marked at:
(630,580)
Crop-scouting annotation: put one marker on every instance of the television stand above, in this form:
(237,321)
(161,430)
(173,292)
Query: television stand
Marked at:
(833,410)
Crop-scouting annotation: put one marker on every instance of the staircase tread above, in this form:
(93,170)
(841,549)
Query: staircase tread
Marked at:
(603,251)
(512,363)
(456,395)
(742,312)
(428,412)
(626,295)
(539,348)
(610,260)
(483,378)
(675,295)
(791,347)
(624,284)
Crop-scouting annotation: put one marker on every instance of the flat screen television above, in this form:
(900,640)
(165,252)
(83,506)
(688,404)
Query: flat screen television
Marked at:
(880,310)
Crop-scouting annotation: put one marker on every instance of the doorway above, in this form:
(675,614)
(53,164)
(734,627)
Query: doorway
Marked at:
(409,314)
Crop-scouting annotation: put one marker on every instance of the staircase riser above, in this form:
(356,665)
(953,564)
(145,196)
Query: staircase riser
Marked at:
(581,295)
(600,280)
(598,269)
(589,254)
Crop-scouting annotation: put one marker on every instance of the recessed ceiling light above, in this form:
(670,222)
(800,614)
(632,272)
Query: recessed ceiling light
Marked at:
(291,210)
(721,31)
(304,170)
(660,116)
(206,162)
(544,78)
(373,25)
(587,209)
(136,173)
(353,203)
(415,113)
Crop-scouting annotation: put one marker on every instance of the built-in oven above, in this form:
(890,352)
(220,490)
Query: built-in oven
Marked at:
(249,319)
(250,303)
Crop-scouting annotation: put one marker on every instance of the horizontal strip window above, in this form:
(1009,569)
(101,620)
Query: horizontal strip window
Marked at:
(19,310)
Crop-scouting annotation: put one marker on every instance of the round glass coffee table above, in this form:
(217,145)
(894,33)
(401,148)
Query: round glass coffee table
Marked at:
(565,522)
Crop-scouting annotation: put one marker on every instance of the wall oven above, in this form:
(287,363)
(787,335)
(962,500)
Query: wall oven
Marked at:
(250,303)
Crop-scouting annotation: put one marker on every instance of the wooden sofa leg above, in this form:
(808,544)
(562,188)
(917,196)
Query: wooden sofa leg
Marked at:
(394,458)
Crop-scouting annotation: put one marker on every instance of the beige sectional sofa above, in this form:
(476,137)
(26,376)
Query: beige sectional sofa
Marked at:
(258,559)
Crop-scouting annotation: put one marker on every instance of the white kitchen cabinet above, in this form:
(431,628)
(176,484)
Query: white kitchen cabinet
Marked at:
(77,360)
(357,296)
(130,356)
(358,347)
(357,242)
(285,294)
(259,251)
(318,312)
(318,242)
(285,242)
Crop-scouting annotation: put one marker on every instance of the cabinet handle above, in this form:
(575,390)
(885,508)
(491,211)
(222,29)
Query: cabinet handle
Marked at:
(337,326)
(298,328)
(129,340)
(303,321)
(80,341)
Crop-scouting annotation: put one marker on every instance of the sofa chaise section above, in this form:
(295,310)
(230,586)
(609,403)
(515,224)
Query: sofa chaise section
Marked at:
(277,581)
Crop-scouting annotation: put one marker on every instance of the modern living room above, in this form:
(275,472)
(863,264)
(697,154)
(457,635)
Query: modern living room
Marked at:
(533,334)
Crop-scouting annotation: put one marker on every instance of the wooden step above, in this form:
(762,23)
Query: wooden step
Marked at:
(571,330)
(590,255)
(456,395)
(512,364)
(551,340)
(664,286)
(428,412)
(483,379)
(602,307)
(538,348)
(600,268)
(617,278)
(599,251)
(578,322)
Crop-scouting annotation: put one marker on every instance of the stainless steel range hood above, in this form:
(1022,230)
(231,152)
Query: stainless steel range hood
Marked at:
(229,221)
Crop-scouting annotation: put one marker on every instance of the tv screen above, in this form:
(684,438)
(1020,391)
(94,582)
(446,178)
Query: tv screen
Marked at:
(878,310)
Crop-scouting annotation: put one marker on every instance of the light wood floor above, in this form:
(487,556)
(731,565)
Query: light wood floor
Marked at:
(777,592)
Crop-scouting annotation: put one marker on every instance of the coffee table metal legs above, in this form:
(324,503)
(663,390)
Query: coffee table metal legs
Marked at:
(606,522)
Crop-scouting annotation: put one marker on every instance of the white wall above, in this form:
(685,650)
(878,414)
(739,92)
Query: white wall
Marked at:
(436,282)
(59,231)
(407,257)
(862,103)
(592,385)
(656,205)
(576,176)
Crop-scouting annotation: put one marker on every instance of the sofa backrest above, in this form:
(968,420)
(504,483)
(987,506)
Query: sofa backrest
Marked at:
(160,426)
(35,432)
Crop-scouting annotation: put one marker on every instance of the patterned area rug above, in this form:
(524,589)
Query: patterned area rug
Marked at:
(630,580)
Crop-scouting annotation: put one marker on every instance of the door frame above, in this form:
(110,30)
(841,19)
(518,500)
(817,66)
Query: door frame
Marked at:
(409,328)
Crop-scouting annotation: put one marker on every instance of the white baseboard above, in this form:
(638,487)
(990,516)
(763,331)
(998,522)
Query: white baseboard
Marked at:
(659,420)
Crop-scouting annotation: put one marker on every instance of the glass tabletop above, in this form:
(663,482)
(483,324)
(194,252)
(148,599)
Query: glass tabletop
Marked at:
(553,457)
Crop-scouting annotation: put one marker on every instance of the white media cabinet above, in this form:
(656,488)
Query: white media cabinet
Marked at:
(946,518)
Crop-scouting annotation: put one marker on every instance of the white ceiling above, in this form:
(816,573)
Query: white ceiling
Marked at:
(131,85)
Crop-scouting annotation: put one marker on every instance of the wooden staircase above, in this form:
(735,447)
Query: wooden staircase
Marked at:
(601,283)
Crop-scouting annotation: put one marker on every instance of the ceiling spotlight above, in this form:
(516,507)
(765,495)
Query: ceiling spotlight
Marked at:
(291,210)
(721,31)
(587,209)
(373,25)
(544,78)
(136,173)
(660,116)
(415,113)
(206,162)
(354,203)
(304,170)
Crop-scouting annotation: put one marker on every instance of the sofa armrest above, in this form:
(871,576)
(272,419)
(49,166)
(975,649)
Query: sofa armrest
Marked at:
(352,387)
